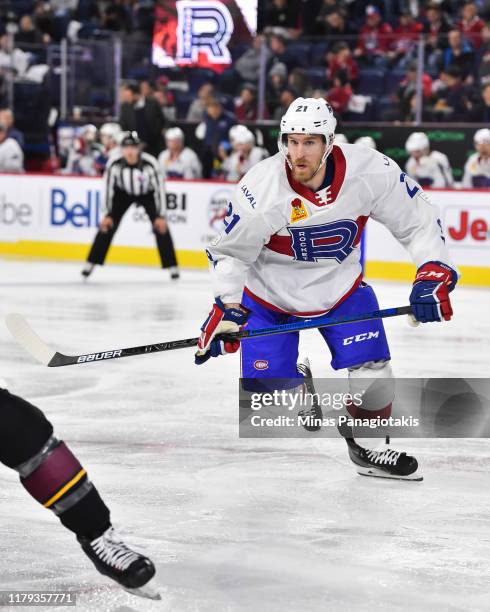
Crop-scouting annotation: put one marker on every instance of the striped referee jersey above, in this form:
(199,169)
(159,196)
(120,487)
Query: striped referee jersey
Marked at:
(141,179)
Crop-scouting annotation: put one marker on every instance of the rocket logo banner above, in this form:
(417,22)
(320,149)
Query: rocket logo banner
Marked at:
(198,33)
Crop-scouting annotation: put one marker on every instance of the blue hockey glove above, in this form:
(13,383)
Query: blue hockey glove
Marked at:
(430,293)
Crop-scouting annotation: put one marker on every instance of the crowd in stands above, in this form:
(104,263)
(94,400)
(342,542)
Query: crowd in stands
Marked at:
(362,56)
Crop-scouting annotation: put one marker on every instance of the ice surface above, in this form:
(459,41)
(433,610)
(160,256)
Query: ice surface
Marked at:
(235,525)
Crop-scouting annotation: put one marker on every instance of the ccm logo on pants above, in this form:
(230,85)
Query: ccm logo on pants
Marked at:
(360,337)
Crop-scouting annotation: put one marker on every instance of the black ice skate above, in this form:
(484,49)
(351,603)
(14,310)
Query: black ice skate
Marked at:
(383,463)
(313,412)
(87,270)
(114,559)
(174,273)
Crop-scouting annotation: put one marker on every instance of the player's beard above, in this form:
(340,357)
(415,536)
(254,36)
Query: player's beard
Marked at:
(305,174)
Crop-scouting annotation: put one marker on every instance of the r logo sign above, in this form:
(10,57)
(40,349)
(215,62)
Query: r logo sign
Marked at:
(205,26)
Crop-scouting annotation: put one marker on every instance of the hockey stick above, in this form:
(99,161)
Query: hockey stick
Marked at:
(32,343)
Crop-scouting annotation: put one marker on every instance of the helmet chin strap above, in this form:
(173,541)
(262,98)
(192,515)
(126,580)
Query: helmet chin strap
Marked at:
(323,160)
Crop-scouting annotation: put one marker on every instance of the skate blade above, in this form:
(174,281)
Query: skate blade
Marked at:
(146,591)
(366,471)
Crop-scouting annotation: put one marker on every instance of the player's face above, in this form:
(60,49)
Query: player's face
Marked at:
(305,153)
(243,148)
(106,141)
(174,145)
(483,149)
(419,153)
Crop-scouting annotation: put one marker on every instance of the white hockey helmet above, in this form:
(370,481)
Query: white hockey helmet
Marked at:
(239,134)
(417,141)
(111,130)
(88,132)
(482,136)
(308,116)
(234,130)
(174,133)
(366,141)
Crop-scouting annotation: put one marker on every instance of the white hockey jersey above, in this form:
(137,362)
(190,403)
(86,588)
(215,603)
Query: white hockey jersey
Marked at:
(297,251)
(236,165)
(11,156)
(186,166)
(433,170)
(476,172)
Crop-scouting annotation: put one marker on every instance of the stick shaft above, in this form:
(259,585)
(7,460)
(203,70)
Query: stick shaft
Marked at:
(60,359)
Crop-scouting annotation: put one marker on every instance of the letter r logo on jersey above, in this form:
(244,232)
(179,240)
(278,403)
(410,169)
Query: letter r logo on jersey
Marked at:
(205,26)
(328,241)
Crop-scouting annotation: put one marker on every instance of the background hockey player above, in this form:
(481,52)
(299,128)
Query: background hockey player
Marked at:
(365,141)
(133,177)
(245,153)
(290,247)
(54,477)
(84,154)
(11,155)
(477,167)
(110,134)
(177,160)
(429,168)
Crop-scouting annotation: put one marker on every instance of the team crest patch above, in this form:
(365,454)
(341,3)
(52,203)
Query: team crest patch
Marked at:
(298,211)
(261,364)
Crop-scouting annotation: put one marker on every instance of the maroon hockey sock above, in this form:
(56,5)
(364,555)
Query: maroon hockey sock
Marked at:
(57,480)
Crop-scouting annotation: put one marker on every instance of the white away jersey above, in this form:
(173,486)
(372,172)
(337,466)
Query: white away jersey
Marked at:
(186,166)
(298,251)
(11,156)
(236,165)
(476,172)
(431,170)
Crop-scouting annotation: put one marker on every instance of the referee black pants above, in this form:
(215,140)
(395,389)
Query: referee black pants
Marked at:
(122,201)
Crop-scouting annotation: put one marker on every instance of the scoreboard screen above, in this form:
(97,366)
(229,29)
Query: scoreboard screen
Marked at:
(199,33)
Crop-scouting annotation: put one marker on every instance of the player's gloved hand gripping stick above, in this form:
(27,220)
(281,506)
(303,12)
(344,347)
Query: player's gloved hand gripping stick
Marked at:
(430,293)
(33,344)
(220,322)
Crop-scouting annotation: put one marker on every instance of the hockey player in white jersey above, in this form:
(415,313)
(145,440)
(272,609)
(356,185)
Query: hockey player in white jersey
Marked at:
(477,167)
(178,161)
(245,153)
(429,168)
(290,248)
(110,135)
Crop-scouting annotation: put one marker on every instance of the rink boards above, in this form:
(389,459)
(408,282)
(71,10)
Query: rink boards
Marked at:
(55,217)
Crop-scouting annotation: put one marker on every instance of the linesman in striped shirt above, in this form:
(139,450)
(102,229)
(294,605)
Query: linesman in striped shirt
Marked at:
(133,177)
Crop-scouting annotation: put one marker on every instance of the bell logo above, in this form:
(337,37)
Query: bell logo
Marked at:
(205,26)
